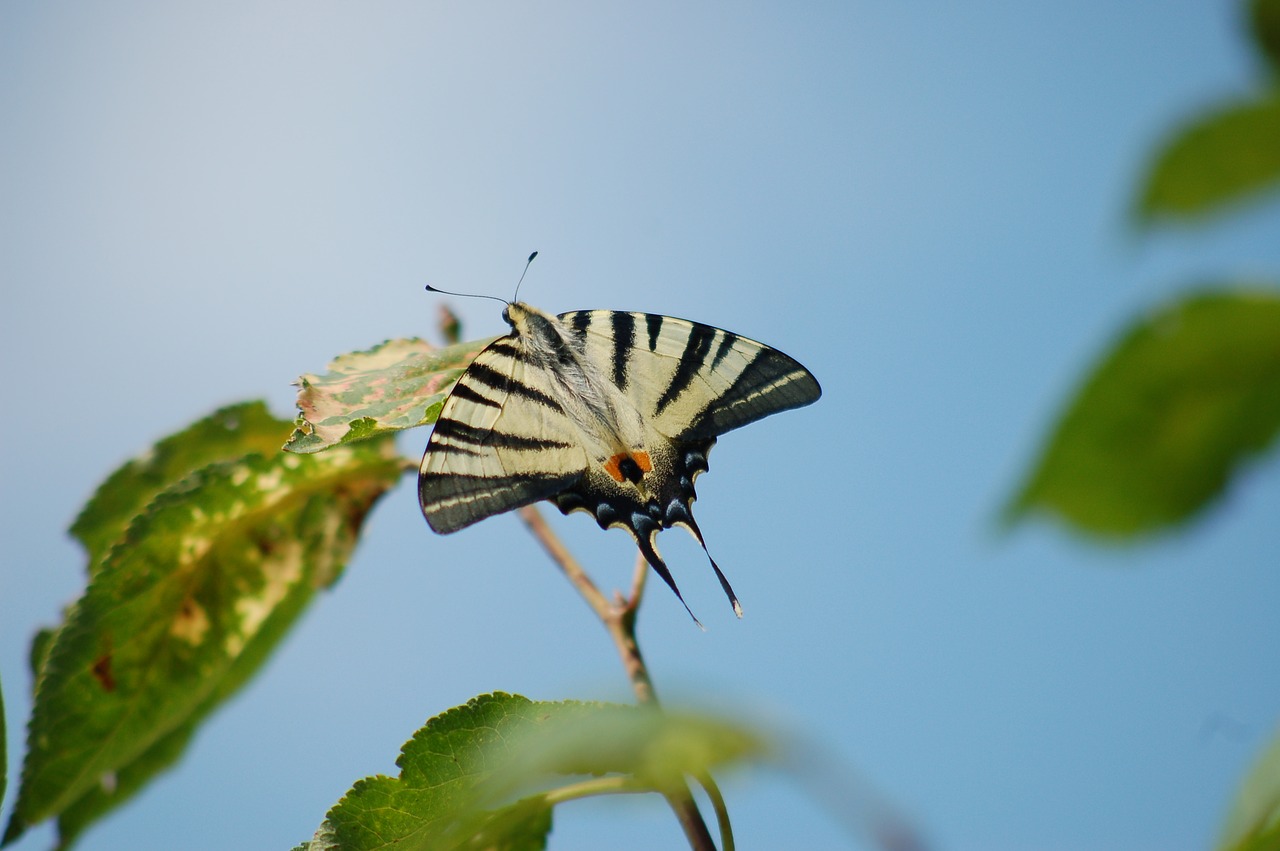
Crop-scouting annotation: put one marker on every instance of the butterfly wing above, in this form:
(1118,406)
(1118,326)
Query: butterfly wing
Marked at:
(502,441)
(691,381)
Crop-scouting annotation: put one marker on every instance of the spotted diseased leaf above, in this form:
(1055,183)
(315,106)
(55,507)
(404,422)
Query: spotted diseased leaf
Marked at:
(1254,822)
(485,775)
(184,607)
(396,385)
(1226,156)
(1185,398)
(225,434)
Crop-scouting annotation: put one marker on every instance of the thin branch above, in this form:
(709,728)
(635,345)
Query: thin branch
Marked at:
(566,562)
(619,620)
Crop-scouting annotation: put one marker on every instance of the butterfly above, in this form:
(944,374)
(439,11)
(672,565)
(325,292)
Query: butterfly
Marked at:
(603,411)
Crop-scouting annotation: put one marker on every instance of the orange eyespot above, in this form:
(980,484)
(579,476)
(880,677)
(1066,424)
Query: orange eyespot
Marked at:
(628,466)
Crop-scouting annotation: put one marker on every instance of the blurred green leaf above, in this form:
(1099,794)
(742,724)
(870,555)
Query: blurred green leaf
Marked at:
(396,385)
(1264,22)
(1186,396)
(101,798)
(40,644)
(183,609)
(1224,157)
(653,747)
(1254,822)
(486,774)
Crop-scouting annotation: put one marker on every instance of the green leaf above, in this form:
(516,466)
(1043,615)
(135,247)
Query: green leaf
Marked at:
(223,435)
(1186,397)
(486,774)
(1224,157)
(130,779)
(652,747)
(396,385)
(1254,822)
(40,644)
(182,611)
(1264,23)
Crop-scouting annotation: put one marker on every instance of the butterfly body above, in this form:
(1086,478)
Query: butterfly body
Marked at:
(607,412)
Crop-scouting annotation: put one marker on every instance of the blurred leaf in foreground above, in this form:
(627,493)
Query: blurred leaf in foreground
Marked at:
(1224,157)
(185,606)
(1264,23)
(1254,822)
(396,385)
(1186,397)
(485,775)
(223,435)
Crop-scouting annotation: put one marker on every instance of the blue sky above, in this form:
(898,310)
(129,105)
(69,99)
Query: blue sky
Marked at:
(925,203)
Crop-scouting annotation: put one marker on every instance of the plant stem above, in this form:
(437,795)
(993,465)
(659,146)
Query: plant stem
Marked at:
(613,785)
(619,620)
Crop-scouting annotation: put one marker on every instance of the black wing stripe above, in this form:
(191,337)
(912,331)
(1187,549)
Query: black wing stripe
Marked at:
(692,359)
(727,341)
(454,448)
(492,378)
(580,322)
(509,346)
(455,431)
(653,324)
(467,393)
(624,338)
(771,382)
(467,484)
(452,501)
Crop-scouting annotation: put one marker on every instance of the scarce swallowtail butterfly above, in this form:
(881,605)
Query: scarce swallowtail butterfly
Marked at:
(602,411)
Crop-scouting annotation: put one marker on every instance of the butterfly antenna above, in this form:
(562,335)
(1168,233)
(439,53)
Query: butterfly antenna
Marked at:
(432,289)
(522,274)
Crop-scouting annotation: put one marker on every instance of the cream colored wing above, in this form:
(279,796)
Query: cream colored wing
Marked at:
(502,441)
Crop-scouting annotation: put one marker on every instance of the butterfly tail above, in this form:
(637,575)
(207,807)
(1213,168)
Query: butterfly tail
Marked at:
(681,516)
(650,553)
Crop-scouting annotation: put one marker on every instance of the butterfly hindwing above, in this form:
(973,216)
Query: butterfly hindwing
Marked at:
(501,442)
(692,381)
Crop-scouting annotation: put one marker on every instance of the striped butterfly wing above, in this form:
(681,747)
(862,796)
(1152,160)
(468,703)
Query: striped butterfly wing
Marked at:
(691,381)
(501,442)
(512,431)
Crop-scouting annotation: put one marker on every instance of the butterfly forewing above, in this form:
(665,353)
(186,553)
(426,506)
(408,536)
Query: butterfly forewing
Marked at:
(692,381)
(501,442)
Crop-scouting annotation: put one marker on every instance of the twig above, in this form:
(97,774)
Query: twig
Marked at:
(566,562)
(619,620)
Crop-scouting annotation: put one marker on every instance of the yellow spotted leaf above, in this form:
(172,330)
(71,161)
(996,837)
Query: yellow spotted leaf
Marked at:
(195,592)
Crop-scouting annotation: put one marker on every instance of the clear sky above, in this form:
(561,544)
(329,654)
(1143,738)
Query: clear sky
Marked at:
(925,203)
